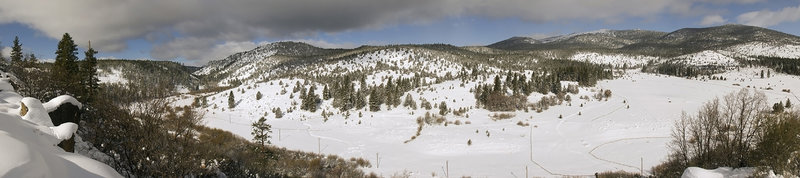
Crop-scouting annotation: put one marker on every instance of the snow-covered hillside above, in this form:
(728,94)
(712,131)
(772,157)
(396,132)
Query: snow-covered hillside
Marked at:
(707,57)
(765,49)
(618,60)
(591,135)
(28,138)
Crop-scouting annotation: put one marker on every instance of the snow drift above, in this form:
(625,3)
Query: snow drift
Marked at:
(28,138)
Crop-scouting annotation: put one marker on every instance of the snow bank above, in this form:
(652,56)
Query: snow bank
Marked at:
(696,172)
(28,139)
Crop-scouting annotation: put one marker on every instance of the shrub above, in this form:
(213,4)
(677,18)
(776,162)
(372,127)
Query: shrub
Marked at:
(617,174)
(501,116)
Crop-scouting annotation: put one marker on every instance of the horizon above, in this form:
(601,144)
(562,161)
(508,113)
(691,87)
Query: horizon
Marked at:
(205,31)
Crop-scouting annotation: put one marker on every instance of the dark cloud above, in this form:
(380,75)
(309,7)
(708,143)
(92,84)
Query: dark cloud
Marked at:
(194,29)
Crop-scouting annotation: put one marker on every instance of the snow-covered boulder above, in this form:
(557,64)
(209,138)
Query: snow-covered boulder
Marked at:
(28,141)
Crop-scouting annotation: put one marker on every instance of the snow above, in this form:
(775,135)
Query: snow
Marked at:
(723,172)
(612,59)
(111,76)
(753,49)
(606,135)
(35,113)
(707,57)
(28,143)
(53,104)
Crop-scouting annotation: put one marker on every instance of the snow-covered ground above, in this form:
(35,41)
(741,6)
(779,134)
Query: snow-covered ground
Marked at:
(707,57)
(765,49)
(111,76)
(28,140)
(618,60)
(629,129)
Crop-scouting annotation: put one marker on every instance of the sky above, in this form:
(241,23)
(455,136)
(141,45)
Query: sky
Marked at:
(194,32)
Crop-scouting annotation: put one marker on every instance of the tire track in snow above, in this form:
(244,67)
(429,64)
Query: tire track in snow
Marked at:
(618,140)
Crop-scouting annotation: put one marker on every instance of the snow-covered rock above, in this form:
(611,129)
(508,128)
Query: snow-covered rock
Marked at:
(723,172)
(28,142)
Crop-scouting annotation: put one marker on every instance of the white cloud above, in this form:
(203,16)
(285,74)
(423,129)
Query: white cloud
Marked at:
(195,30)
(712,20)
(6,52)
(766,18)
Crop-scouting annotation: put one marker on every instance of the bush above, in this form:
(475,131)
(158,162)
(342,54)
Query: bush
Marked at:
(501,116)
(617,174)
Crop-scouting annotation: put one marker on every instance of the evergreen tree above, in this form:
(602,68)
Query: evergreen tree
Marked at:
(31,60)
(89,80)
(16,52)
(777,107)
(374,101)
(65,71)
(261,131)
(360,99)
(788,103)
(443,108)
(311,99)
(231,100)
(326,93)
(409,102)
(498,85)
(259,95)
(762,73)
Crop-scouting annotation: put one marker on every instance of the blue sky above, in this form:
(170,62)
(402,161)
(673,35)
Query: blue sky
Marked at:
(129,31)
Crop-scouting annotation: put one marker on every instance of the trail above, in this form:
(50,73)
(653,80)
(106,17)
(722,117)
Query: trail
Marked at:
(618,140)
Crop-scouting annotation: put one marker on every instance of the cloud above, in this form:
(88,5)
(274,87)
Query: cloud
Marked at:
(194,29)
(712,20)
(766,18)
(5,52)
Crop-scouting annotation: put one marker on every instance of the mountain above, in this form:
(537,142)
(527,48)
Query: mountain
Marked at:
(609,39)
(689,40)
(679,42)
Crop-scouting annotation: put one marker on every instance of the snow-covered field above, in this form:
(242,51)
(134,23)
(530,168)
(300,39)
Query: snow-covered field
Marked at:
(628,130)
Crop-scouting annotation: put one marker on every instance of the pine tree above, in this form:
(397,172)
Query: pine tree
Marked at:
(326,93)
(788,103)
(497,84)
(231,100)
(261,131)
(762,73)
(89,80)
(360,99)
(409,102)
(374,101)
(31,60)
(65,71)
(777,107)
(258,95)
(311,99)
(443,108)
(16,52)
